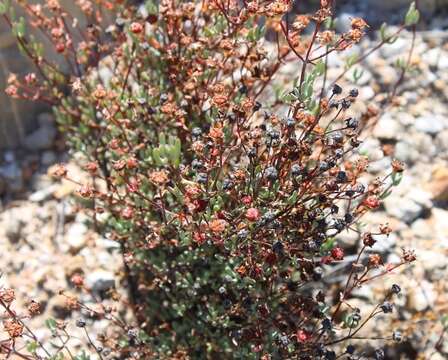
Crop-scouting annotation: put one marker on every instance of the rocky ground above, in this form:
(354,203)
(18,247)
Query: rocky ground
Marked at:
(45,238)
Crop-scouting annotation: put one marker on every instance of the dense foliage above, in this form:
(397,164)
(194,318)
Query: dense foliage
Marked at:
(224,188)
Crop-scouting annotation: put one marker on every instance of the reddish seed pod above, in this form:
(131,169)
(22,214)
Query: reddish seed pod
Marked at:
(136,28)
(60,47)
(337,253)
(252,214)
(77,280)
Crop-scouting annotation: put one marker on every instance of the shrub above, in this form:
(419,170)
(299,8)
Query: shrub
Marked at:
(224,188)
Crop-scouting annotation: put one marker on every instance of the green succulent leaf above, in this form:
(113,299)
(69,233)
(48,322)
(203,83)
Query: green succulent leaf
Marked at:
(412,16)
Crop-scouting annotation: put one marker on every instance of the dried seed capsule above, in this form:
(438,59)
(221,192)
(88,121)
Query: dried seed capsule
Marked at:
(80,323)
(352,123)
(397,336)
(257,106)
(354,92)
(271,173)
(243,89)
(379,354)
(337,89)
(387,307)
(396,289)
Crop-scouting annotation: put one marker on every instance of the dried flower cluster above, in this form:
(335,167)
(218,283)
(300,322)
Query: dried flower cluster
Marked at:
(225,205)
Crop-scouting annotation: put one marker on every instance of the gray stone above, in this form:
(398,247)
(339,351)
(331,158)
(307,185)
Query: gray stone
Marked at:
(388,128)
(45,120)
(428,7)
(107,244)
(430,124)
(421,296)
(100,281)
(76,236)
(48,158)
(347,238)
(415,147)
(442,142)
(398,48)
(379,166)
(387,75)
(43,194)
(404,209)
(9,156)
(367,92)
(12,174)
(369,147)
(385,243)
(437,58)
(13,227)
(365,78)
(433,260)
(41,139)
(343,22)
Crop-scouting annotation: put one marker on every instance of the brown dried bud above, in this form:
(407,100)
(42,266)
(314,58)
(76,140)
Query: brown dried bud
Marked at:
(99,93)
(34,308)
(397,166)
(85,191)
(13,327)
(7,296)
(218,225)
(375,260)
(385,229)
(359,23)
(77,280)
(58,171)
(368,240)
(91,167)
(159,177)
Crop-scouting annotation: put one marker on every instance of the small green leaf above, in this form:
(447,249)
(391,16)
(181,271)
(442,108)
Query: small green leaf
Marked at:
(383,33)
(293,198)
(412,16)
(357,74)
(51,324)
(320,68)
(32,347)
(396,178)
(385,194)
(162,139)
(327,245)
(156,157)
(351,60)
(3,8)
(82,356)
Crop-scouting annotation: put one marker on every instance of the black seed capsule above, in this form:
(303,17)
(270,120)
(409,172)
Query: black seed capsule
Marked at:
(277,248)
(346,104)
(396,289)
(271,173)
(350,349)
(257,106)
(354,92)
(397,336)
(243,89)
(337,89)
(387,307)
(379,354)
(341,177)
(163,98)
(80,323)
(352,123)
(196,132)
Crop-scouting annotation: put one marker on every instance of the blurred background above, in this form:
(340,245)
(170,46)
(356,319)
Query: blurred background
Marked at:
(45,238)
